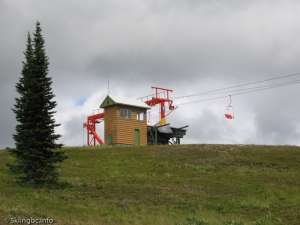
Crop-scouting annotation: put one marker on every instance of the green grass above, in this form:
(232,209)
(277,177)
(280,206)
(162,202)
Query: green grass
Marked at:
(165,185)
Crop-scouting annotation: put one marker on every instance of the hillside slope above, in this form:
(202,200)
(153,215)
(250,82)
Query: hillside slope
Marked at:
(165,185)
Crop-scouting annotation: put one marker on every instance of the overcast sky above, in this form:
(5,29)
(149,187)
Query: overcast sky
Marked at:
(188,45)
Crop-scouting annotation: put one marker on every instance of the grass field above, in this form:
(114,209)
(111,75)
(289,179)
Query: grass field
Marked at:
(165,185)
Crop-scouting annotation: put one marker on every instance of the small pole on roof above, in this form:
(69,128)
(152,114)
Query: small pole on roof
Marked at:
(108,87)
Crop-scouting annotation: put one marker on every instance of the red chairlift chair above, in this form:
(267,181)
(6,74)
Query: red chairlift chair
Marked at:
(229,114)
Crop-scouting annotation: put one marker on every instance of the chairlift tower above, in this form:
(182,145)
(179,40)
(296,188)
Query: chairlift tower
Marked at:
(161,97)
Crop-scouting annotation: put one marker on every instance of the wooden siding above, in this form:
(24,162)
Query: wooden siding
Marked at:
(122,129)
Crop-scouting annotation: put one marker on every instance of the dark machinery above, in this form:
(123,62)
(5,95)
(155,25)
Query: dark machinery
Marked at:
(165,134)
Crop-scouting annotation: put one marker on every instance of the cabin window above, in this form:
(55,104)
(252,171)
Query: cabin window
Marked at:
(125,113)
(140,116)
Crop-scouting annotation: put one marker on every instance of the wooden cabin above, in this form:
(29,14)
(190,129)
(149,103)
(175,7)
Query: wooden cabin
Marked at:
(125,121)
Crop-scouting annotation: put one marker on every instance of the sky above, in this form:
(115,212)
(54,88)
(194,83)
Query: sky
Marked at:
(189,46)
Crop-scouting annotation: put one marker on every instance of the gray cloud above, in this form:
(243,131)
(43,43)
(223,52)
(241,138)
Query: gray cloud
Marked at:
(186,45)
(276,120)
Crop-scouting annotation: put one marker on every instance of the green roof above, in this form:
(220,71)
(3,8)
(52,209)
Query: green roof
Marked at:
(107,102)
(110,101)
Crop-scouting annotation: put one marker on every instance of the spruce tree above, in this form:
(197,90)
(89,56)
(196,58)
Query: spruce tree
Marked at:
(37,153)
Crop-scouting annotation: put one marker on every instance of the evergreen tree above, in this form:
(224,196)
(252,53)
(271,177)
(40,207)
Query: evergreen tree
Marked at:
(36,152)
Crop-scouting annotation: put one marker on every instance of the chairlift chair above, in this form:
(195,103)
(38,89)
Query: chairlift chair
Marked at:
(229,114)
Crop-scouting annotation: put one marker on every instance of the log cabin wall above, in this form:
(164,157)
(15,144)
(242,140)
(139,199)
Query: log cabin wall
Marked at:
(120,130)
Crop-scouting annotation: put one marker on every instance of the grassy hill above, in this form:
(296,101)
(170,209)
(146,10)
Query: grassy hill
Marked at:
(165,185)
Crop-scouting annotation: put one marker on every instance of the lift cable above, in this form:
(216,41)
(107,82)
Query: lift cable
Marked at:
(238,85)
(255,87)
(244,91)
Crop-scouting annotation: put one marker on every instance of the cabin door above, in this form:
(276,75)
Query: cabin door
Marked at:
(137,137)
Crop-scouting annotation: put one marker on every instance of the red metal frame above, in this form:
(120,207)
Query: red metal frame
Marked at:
(90,125)
(162,101)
